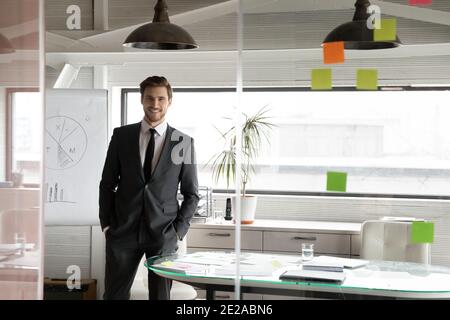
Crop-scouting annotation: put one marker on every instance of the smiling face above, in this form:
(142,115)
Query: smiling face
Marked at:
(155,102)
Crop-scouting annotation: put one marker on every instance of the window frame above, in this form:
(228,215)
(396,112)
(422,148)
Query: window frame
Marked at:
(124,97)
(124,110)
(9,128)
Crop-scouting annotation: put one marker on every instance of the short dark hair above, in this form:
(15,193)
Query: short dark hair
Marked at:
(156,81)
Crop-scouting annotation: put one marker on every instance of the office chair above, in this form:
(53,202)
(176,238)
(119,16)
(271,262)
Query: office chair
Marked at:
(179,291)
(391,240)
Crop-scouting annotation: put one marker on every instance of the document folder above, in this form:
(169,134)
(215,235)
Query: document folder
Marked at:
(312,275)
(347,263)
(323,266)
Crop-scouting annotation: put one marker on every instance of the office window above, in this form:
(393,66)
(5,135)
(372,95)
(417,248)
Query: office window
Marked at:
(197,113)
(24,136)
(390,142)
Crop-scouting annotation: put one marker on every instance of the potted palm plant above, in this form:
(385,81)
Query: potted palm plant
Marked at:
(254,130)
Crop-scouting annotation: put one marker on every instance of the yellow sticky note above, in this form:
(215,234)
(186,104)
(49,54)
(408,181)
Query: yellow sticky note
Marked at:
(321,79)
(367,79)
(387,32)
(276,264)
(167,263)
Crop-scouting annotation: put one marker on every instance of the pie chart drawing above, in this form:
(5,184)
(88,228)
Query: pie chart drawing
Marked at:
(66,142)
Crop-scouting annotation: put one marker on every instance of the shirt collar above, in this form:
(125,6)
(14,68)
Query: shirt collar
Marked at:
(160,128)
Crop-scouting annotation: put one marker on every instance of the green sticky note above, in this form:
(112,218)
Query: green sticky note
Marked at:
(367,79)
(336,181)
(387,32)
(422,232)
(321,79)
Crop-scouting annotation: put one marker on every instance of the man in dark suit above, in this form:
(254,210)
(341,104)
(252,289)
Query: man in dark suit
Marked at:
(139,210)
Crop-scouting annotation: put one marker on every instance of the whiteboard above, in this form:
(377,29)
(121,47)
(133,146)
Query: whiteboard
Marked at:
(76,138)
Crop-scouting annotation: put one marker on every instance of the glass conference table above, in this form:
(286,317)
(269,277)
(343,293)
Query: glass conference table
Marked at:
(215,271)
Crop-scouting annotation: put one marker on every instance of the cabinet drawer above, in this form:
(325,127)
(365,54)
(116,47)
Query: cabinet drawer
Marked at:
(324,243)
(223,239)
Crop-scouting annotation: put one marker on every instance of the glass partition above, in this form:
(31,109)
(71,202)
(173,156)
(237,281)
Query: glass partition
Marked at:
(341,149)
(389,139)
(293,150)
(200,115)
(21,123)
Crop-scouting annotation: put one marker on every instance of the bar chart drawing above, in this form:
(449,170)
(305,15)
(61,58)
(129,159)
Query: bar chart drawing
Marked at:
(55,193)
(66,142)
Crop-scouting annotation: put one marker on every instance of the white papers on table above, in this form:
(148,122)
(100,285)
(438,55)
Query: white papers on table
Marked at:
(224,263)
(28,259)
(11,248)
(259,258)
(404,219)
(198,260)
(181,267)
(245,270)
(323,266)
(347,263)
(209,258)
(25,261)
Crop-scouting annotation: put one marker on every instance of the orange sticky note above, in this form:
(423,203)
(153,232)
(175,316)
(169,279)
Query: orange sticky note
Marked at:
(333,52)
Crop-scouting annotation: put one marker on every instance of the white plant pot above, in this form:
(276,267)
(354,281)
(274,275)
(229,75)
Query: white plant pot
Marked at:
(248,208)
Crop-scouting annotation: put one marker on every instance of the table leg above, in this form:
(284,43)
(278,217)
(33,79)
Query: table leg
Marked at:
(210,292)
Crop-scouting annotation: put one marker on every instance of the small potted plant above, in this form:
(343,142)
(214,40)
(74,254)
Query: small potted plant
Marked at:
(254,130)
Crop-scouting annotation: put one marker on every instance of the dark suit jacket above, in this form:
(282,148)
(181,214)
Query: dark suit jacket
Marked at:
(125,197)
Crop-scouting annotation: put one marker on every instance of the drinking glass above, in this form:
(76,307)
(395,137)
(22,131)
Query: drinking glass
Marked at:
(307,251)
(20,241)
(218,216)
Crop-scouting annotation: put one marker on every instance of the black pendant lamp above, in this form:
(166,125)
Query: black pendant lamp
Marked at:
(160,34)
(356,34)
(5,45)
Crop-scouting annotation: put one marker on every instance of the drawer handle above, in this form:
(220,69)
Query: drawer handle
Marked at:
(223,296)
(305,238)
(212,234)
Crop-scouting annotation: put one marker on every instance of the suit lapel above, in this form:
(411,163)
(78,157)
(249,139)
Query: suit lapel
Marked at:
(165,154)
(136,152)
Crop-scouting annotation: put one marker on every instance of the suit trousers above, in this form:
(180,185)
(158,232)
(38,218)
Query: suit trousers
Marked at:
(123,255)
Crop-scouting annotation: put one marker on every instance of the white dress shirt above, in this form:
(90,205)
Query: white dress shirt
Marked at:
(144,138)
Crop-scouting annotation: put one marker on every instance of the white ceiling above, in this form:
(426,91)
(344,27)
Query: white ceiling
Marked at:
(282,39)
(268,24)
